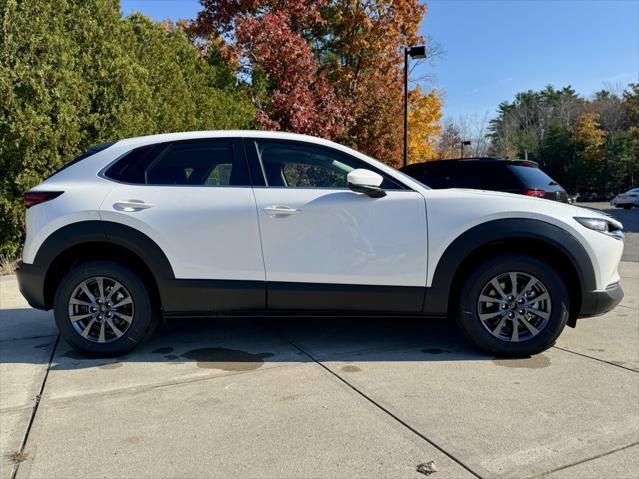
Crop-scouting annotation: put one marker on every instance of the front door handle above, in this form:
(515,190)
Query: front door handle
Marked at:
(131,205)
(275,210)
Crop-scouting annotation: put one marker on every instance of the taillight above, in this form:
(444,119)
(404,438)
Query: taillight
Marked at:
(535,193)
(32,198)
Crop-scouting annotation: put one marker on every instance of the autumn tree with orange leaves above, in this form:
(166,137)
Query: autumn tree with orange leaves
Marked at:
(332,68)
(424,125)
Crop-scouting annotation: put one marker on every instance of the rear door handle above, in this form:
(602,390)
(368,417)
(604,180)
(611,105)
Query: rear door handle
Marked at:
(280,210)
(131,205)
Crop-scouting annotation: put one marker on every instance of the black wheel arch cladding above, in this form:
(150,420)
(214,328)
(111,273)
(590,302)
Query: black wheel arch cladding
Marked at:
(472,240)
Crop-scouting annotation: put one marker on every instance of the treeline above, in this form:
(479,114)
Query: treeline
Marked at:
(587,145)
(74,73)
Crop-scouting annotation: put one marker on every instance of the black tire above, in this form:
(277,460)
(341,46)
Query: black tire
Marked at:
(467,314)
(144,315)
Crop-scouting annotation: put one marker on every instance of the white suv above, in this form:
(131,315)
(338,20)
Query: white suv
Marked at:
(252,223)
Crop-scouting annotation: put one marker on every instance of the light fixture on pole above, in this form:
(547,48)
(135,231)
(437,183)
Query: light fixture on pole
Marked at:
(415,52)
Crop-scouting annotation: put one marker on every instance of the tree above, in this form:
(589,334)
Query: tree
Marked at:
(449,143)
(75,73)
(332,68)
(589,139)
(424,125)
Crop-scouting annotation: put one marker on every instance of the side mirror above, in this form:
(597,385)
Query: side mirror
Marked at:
(367,182)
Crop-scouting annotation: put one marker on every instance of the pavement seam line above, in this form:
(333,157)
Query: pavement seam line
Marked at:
(583,461)
(34,411)
(386,411)
(596,359)
(27,338)
(54,401)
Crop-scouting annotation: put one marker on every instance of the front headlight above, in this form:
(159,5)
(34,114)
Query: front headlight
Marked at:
(611,227)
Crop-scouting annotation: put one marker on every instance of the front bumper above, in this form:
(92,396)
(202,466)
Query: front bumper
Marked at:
(595,303)
(31,284)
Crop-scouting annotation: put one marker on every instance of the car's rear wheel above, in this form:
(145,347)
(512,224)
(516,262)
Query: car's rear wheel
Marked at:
(103,309)
(513,305)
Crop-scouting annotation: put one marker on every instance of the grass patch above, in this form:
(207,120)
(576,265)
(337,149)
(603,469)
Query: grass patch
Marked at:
(7,265)
(17,457)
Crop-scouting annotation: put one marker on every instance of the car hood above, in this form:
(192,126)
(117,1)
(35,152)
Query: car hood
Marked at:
(500,204)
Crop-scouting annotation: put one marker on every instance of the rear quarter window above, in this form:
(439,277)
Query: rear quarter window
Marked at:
(92,150)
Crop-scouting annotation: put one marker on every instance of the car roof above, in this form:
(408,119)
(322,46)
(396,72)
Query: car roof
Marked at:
(100,160)
(475,160)
(193,135)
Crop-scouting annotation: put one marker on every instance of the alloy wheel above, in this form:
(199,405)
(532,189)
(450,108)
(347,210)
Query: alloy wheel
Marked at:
(101,309)
(514,306)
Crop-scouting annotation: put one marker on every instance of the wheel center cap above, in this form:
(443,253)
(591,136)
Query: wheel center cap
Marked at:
(103,308)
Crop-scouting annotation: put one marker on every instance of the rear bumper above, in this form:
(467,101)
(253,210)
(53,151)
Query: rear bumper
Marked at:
(31,284)
(595,303)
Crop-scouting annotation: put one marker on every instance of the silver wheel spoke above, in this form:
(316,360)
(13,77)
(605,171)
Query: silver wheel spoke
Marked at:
(123,302)
(498,288)
(79,317)
(487,316)
(116,286)
(531,284)
(497,331)
(102,337)
(530,327)
(128,319)
(79,302)
(114,328)
(541,297)
(515,337)
(536,312)
(513,286)
(85,333)
(87,292)
(100,282)
(490,299)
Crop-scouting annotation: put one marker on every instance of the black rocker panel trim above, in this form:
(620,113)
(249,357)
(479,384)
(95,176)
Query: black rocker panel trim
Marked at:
(437,297)
(284,296)
(188,297)
(212,297)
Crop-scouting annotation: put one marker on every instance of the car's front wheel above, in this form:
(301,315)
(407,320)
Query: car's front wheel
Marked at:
(103,308)
(513,305)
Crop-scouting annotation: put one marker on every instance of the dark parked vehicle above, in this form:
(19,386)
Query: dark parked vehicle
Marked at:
(510,176)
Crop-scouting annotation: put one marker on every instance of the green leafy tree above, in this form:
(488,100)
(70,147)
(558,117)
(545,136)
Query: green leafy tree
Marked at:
(589,140)
(74,73)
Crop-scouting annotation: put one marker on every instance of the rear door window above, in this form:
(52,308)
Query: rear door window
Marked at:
(185,163)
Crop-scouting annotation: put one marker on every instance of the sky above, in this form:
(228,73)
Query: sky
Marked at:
(494,49)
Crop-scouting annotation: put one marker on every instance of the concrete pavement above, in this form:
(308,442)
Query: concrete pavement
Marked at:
(320,398)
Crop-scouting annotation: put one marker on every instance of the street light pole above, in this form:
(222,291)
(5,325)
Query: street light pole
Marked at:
(405,157)
(413,52)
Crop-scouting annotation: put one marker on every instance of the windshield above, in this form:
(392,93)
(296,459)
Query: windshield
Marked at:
(532,177)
